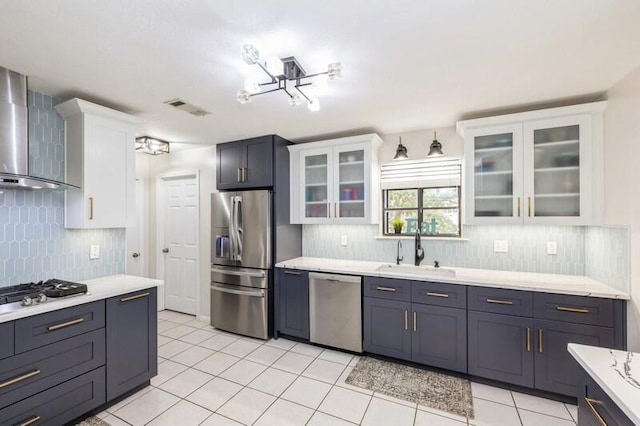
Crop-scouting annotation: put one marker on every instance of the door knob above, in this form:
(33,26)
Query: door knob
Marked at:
(135,255)
(165,250)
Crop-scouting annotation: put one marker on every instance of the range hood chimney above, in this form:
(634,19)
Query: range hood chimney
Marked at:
(14,142)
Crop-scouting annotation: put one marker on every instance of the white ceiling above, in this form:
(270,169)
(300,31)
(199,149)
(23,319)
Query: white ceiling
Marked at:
(408,65)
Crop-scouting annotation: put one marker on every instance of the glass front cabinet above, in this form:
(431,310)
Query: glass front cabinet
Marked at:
(335,181)
(540,167)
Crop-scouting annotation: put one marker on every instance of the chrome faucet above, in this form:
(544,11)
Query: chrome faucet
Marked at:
(398,257)
(419,252)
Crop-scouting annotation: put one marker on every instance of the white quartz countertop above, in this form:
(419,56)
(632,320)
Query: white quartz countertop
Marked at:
(548,283)
(616,372)
(98,289)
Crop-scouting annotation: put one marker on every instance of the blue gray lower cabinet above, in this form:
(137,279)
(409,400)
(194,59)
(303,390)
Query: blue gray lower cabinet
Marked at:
(386,327)
(501,347)
(59,404)
(292,292)
(6,337)
(594,404)
(132,341)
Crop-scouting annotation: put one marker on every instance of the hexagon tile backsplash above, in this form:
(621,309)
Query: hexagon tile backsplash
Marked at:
(34,245)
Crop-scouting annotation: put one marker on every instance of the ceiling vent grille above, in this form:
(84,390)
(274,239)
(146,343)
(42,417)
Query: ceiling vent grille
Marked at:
(187,107)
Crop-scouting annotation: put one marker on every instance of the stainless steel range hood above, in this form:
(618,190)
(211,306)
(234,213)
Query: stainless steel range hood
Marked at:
(14,142)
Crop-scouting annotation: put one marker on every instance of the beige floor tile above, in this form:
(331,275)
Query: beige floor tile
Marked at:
(243,372)
(488,413)
(285,413)
(147,407)
(322,419)
(246,406)
(192,356)
(531,418)
(215,393)
(425,418)
(218,420)
(186,382)
(541,405)
(382,412)
(173,348)
(265,355)
(241,348)
(216,363)
(293,363)
(346,404)
(197,336)
(183,413)
(323,370)
(491,393)
(273,381)
(307,392)
(166,371)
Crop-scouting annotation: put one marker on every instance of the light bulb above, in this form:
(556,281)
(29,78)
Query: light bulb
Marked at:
(334,70)
(250,54)
(274,66)
(243,96)
(252,86)
(294,100)
(314,104)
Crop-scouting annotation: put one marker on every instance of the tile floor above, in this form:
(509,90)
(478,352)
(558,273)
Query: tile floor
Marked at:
(212,378)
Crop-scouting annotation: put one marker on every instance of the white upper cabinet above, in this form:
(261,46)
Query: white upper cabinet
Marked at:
(538,167)
(100,160)
(335,181)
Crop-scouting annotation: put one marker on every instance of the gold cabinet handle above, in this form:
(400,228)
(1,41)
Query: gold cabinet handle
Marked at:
(19,379)
(540,340)
(137,296)
(528,339)
(445,295)
(529,204)
(30,421)
(90,208)
(574,310)
(415,321)
(500,302)
(406,319)
(390,289)
(518,206)
(239,174)
(65,324)
(590,402)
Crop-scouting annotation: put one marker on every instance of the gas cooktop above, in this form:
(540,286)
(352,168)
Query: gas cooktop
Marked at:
(33,293)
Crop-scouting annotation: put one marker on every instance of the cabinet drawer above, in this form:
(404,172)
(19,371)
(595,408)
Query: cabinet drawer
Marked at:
(44,329)
(60,404)
(501,301)
(595,405)
(578,309)
(387,288)
(439,294)
(6,339)
(31,372)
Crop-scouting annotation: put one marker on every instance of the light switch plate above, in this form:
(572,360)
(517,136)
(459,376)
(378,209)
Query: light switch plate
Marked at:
(552,247)
(94,252)
(500,246)
(343,240)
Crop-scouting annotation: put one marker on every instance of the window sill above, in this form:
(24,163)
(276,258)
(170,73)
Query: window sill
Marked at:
(422,237)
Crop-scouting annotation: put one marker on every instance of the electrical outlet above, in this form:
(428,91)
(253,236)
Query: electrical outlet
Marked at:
(343,240)
(94,252)
(552,247)
(500,246)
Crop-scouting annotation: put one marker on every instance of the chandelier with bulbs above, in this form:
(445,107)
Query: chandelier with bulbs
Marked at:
(286,74)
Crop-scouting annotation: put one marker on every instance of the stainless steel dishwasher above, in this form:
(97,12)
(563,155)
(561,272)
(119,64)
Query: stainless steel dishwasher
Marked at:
(335,310)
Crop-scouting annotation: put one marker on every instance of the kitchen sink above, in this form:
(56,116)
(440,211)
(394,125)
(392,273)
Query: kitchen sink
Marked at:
(418,270)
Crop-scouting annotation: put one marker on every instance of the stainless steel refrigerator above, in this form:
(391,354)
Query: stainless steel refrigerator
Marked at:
(242,261)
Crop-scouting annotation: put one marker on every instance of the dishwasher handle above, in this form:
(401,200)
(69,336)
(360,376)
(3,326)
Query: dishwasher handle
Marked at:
(316,276)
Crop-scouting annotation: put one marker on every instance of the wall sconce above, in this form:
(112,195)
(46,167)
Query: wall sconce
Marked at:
(152,146)
(401,151)
(435,150)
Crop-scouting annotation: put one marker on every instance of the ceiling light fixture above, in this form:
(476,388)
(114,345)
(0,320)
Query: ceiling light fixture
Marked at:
(401,151)
(435,150)
(152,146)
(283,71)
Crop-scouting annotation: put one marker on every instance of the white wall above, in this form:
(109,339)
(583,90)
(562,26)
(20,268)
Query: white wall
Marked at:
(622,203)
(418,142)
(197,159)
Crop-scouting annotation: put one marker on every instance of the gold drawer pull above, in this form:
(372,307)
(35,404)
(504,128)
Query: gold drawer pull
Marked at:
(406,320)
(90,208)
(391,289)
(597,415)
(30,421)
(137,296)
(19,379)
(437,294)
(528,339)
(65,324)
(540,340)
(500,302)
(415,321)
(574,310)
(518,206)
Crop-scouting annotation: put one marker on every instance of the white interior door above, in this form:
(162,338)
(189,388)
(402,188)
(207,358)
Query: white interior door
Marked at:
(137,236)
(181,244)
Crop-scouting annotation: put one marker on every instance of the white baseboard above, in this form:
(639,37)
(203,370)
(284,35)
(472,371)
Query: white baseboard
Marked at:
(204,318)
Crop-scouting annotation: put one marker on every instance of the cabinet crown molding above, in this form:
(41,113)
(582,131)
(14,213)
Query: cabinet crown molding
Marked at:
(374,138)
(78,106)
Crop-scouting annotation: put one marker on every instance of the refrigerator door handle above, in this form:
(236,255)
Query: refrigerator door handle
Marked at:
(237,226)
(250,293)
(239,273)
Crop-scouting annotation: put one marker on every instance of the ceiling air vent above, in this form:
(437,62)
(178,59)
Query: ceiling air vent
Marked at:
(187,107)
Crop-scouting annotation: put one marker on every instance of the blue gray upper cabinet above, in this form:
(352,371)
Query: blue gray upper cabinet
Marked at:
(292,288)
(246,164)
(132,341)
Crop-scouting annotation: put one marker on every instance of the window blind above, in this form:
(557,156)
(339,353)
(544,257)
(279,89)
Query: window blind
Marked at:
(421,173)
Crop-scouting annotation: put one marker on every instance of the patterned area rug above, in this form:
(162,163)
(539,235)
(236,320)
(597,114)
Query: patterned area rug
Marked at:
(93,421)
(435,390)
